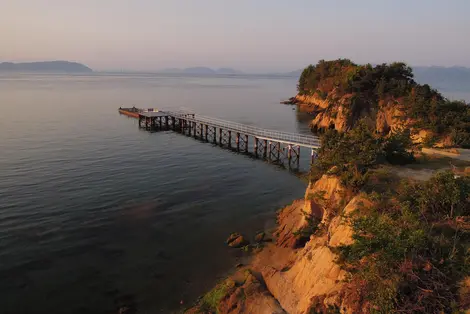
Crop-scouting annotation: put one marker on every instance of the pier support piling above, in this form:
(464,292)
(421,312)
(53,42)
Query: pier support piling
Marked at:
(238,141)
(277,147)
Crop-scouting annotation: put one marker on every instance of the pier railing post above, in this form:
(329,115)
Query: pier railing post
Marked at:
(256,147)
(278,151)
(246,143)
(229,138)
(220,136)
(289,153)
(265,153)
(298,156)
(269,150)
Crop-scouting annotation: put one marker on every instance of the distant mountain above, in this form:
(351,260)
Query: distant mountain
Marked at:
(295,73)
(227,71)
(451,79)
(45,67)
(201,70)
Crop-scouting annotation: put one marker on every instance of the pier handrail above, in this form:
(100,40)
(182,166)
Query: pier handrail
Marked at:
(291,138)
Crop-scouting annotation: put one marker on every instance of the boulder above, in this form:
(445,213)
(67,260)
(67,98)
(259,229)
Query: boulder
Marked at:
(259,237)
(236,240)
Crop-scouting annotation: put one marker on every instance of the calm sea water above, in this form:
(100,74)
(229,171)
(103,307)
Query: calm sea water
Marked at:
(96,214)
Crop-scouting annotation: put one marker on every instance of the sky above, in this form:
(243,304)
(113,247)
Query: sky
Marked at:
(248,35)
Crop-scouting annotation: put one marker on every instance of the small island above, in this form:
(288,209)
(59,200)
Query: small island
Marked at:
(339,93)
(45,67)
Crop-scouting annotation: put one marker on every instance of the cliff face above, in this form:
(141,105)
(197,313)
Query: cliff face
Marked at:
(311,281)
(300,277)
(328,114)
(287,278)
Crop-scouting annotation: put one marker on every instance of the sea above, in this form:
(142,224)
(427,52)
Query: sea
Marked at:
(97,215)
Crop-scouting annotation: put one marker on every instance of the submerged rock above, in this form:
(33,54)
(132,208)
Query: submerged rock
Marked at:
(259,237)
(236,240)
(290,101)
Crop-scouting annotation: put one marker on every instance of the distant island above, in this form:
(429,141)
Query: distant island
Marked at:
(455,78)
(201,70)
(45,67)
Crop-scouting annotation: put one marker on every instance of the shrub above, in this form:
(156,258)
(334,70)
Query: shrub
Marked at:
(355,153)
(408,254)
(211,300)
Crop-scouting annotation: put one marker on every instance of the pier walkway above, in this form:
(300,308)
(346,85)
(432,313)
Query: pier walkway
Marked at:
(275,146)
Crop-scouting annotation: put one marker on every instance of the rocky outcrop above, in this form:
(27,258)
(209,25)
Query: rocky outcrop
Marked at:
(337,114)
(312,280)
(323,196)
(240,294)
(236,240)
(339,230)
(314,273)
(250,297)
(286,278)
(290,220)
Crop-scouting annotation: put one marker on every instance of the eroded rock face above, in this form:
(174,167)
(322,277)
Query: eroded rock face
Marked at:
(314,273)
(251,297)
(340,231)
(337,114)
(320,197)
(312,280)
(307,279)
(290,220)
(323,195)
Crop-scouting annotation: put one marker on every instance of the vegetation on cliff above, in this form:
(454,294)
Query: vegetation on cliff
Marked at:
(353,155)
(363,89)
(410,250)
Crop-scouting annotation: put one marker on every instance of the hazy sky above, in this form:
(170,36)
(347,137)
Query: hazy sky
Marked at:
(250,35)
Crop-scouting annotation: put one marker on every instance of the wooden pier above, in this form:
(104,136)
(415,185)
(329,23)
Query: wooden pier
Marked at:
(274,146)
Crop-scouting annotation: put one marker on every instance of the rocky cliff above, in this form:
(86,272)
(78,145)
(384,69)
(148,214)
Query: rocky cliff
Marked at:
(336,115)
(288,278)
(339,93)
(390,270)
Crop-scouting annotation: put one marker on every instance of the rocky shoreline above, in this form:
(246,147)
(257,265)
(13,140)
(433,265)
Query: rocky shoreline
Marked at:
(301,270)
(291,274)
